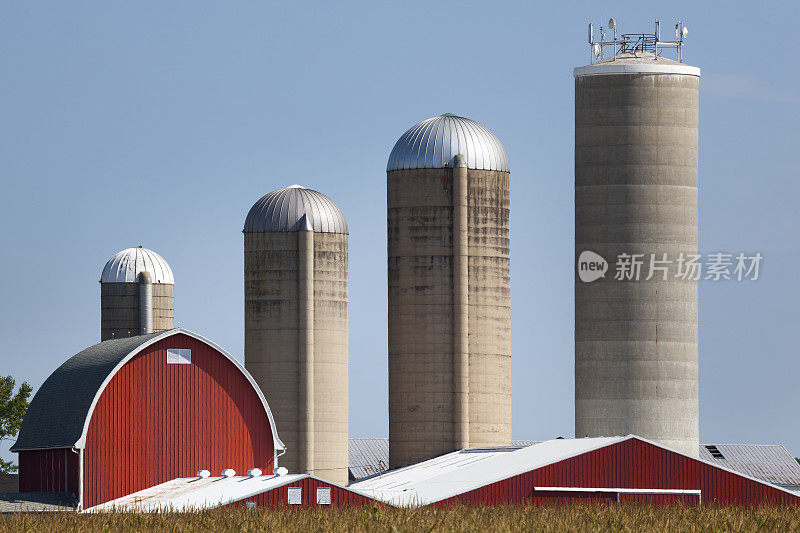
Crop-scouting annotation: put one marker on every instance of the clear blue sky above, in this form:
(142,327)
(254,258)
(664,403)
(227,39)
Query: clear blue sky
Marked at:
(160,124)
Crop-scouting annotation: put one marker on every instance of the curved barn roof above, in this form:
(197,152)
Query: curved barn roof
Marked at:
(126,266)
(59,414)
(295,208)
(433,142)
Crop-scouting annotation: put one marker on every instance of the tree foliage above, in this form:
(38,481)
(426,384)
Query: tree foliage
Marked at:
(12,411)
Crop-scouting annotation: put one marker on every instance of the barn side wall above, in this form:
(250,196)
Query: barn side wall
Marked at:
(157,421)
(279,496)
(53,470)
(629,464)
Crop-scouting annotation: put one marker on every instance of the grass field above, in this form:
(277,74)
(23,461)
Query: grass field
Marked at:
(484,519)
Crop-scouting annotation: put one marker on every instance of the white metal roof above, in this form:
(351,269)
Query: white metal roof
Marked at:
(126,266)
(458,472)
(195,493)
(369,456)
(434,142)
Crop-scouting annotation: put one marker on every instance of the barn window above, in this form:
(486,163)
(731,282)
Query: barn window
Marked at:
(295,495)
(324,495)
(176,356)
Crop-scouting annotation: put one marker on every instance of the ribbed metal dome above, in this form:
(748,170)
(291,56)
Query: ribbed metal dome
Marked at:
(295,208)
(432,144)
(126,265)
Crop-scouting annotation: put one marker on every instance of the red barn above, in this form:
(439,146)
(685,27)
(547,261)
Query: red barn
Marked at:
(127,414)
(606,469)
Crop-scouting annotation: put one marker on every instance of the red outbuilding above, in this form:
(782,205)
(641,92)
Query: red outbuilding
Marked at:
(127,414)
(605,469)
(250,491)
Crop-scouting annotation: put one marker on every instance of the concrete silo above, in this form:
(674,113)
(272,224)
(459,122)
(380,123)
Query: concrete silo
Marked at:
(636,174)
(449,275)
(137,294)
(296,305)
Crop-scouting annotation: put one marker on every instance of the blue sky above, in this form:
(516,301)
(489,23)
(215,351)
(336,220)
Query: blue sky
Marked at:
(160,124)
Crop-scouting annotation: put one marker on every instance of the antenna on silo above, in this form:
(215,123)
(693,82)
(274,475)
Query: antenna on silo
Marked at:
(634,43)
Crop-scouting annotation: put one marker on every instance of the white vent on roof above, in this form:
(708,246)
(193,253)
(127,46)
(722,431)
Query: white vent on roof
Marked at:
(254,472)
(280,471)
(203,474)
(228,472)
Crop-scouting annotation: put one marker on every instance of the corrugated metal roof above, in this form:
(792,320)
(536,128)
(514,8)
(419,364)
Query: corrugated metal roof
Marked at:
(59,412)
(295,208)
(33,502)
(194,493)
(458,472)
(769,462)
(126,266)
(766,462)
(369,456)
(434,142)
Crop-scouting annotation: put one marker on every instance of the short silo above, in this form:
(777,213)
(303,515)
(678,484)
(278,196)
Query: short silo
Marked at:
(449,281)
(296,305)
(137,294)
(636,175)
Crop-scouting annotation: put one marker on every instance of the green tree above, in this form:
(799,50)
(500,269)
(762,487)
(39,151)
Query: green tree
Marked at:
(12,411)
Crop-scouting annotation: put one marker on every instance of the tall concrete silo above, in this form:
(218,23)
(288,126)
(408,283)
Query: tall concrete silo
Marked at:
(636,173)
(137,294)
(449,244)
(296,336)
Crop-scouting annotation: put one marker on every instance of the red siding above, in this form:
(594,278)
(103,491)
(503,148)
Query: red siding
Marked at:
(49,471)
(155,422)
(340,497)
(631,464)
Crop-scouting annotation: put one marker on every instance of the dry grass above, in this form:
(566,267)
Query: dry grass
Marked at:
(484,519)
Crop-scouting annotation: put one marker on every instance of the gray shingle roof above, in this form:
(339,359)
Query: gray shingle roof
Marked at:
(769,462)
(29,502)
(57,414)
(60,408)
(9,483)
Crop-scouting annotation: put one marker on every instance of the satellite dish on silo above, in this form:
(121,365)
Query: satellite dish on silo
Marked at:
(612,24)
(685,32)
(591,33)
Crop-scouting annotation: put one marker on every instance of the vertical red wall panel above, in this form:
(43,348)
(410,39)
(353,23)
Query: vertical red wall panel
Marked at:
(279,496)
(54,470)
(157,421)
(631,464)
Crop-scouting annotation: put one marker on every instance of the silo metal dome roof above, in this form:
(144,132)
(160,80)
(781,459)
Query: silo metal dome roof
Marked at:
(126,266)
(432,144)
(295,208)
